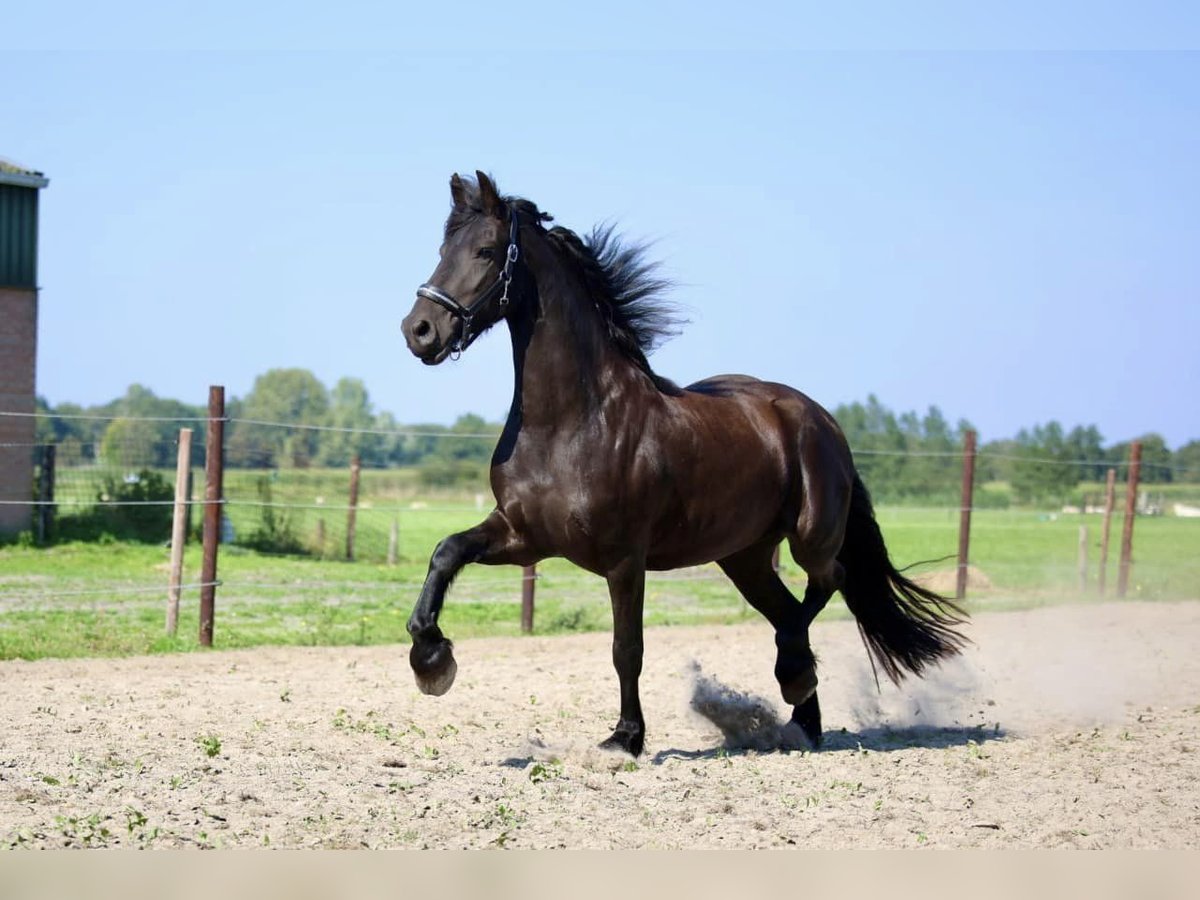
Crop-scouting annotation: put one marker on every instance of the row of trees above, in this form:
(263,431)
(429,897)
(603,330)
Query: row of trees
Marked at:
(339,423)
(902,456)
(911,456)
(326,427)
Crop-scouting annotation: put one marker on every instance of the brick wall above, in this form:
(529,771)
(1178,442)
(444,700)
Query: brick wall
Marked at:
(18,363)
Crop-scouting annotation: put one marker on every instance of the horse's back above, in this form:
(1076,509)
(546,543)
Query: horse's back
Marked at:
(734,442)
(816,452)
(799,413)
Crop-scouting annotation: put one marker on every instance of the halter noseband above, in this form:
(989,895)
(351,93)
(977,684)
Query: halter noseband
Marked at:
(467,313)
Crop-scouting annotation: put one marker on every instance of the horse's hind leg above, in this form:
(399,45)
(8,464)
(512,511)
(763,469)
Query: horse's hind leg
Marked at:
(795,665)
(815,542)
(807,714)
(824,577)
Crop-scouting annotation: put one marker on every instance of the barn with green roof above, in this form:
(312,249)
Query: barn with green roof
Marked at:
(20,188)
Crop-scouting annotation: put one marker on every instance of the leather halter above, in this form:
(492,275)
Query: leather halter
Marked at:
(467,313)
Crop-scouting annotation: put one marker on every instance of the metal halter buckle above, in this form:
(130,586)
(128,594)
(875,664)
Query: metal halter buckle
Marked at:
(510,260)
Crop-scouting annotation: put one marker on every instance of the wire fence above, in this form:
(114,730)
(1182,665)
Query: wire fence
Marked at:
(303,524)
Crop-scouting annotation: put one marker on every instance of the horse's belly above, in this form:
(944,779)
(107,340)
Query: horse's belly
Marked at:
(691,549)
(710,526)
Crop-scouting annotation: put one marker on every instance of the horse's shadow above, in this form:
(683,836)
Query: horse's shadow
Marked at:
(874,739)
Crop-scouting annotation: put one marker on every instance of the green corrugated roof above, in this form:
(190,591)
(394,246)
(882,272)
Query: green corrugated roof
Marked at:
(13,173)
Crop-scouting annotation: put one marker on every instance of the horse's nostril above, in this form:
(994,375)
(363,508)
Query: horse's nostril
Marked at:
(422,331)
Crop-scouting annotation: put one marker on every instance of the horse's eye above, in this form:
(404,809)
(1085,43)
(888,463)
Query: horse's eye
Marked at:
(486,253)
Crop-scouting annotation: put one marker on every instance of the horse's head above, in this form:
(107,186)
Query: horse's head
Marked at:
(468,292)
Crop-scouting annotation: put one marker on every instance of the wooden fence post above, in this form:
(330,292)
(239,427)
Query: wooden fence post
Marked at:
(964,515)
(214,474)
(45,494)
(352,512)
(1135,469)
(528,577)
(1110,494)
(1083,555)
(183,468)
(393,542)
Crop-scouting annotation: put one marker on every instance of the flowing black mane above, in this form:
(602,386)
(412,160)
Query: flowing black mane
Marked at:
(625,286)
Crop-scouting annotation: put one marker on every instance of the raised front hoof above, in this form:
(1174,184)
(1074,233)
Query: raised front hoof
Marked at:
(433,665)
(626,741)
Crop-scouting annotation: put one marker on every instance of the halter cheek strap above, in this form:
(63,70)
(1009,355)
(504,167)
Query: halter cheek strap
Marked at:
(466,314)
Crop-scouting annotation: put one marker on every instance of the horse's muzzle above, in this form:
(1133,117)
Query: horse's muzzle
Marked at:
(424,340)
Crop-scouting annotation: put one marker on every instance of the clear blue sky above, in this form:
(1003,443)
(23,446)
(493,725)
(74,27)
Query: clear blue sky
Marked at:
(999,217)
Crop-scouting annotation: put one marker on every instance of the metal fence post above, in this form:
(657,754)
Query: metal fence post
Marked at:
(352,512)
(45,495)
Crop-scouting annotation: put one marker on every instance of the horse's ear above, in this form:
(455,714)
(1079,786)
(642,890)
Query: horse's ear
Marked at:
(489,197)
(458,191)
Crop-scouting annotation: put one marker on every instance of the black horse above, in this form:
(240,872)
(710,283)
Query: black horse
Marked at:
(615,468)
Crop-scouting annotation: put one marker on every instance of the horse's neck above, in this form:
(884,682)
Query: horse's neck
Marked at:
(565,364)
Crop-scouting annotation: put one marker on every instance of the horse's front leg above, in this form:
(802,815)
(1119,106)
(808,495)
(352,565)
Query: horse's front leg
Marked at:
(493,541)
(627,590)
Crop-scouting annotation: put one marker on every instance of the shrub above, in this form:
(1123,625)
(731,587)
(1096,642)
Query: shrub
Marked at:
(453,473)
(147,518)
(276,532)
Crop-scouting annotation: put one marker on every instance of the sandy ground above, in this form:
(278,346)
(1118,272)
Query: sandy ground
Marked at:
(1072,726)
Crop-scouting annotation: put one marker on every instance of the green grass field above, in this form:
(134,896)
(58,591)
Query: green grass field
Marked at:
(109,598)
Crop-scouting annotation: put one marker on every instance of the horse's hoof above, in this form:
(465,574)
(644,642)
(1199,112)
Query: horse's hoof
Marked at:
(433,665)
(793,737)
(626,741)
(807,716)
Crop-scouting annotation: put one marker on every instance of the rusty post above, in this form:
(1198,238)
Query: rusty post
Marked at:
(964,515)
(528,577)
(1135,470)
(1110,496)
(179,528)
(214,473)
(352,512)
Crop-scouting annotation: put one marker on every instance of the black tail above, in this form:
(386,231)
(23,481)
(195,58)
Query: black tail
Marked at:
(905,626)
